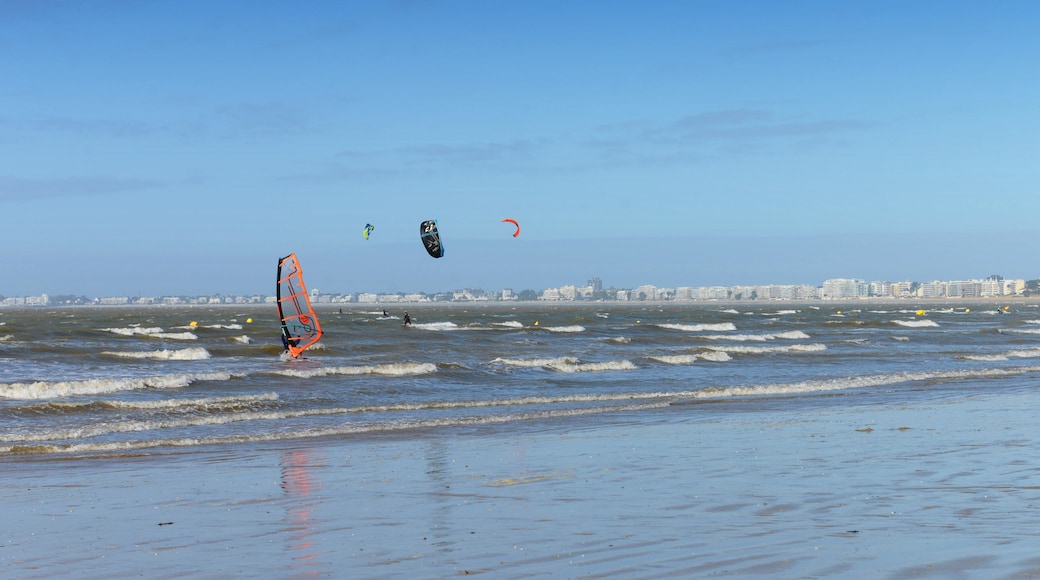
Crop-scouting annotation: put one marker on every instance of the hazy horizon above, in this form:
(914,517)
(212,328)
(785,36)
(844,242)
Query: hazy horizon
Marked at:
(491,266)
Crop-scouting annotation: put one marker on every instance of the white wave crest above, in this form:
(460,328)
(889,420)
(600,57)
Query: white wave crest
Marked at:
(509,324)
(619,339)
(207,403)
(6,337)
(814,347)
(841,384)
(917,323)
(436,326)
(984,357)
(1019,330)
(791,334)
(242,339)
(132,330)
(686,359)
(174,335)
(568,367)
(278,435)
(181,354)
(56,389)
(390,369)
(572,328)
(152,332)
(720,327)
(535,362)
(1025,353)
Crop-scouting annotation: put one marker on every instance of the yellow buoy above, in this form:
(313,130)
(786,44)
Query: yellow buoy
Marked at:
(920,313)
(967,309)
(193,323)
(536,323)
(249,321)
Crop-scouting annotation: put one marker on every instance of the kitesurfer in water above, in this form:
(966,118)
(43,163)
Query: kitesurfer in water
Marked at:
(407,319)
(385,315)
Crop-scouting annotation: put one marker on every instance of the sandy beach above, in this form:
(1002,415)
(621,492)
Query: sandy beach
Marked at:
(944,489)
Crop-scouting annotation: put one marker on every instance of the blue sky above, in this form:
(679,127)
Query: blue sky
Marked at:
(169,147)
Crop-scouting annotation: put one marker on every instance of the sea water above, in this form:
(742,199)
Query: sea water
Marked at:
(82,380)
(526,439)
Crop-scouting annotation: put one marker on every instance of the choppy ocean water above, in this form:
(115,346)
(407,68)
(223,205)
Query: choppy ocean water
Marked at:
(81,381)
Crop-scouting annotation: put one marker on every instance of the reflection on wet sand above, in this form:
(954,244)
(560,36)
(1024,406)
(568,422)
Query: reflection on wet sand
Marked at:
(303,492)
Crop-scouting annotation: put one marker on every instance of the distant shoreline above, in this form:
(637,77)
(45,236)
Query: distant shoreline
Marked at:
(390,306)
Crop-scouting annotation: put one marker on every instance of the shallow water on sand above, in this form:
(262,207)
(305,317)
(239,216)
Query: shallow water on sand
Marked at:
(940,489)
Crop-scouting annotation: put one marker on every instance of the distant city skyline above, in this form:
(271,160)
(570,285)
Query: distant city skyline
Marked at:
(830,289)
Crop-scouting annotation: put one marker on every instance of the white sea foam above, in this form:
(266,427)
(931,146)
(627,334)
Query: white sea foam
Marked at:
(619,339)
(535,362)
(134,330)
(509,324)
(572,328)
(572,367)
(917,323)
(641,401)
(6,337)
(719,327)
(686,359)
(841,384)
(174,335)
(1019,330)
(55,389)
(901,338)
(436,326)
(151,332)
(567,364)
(338,430)
(181,354)
(984,357)
(791,334)
(390,369)
(242,339)
(813,347)
(171,405)
(1025,353)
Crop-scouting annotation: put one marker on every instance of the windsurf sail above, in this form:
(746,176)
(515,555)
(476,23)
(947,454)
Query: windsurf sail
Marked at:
(431,238)
(513,221)
(368,230)
(300,326)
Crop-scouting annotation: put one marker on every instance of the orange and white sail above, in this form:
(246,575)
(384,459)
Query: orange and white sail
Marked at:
(300,326)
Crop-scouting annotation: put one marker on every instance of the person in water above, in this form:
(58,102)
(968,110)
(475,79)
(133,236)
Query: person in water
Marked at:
(286,342)
(384,313)
(407,319)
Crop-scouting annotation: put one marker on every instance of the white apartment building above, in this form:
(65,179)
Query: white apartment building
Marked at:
(842,288)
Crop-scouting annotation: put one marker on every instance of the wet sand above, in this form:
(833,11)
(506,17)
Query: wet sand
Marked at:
(948,488)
